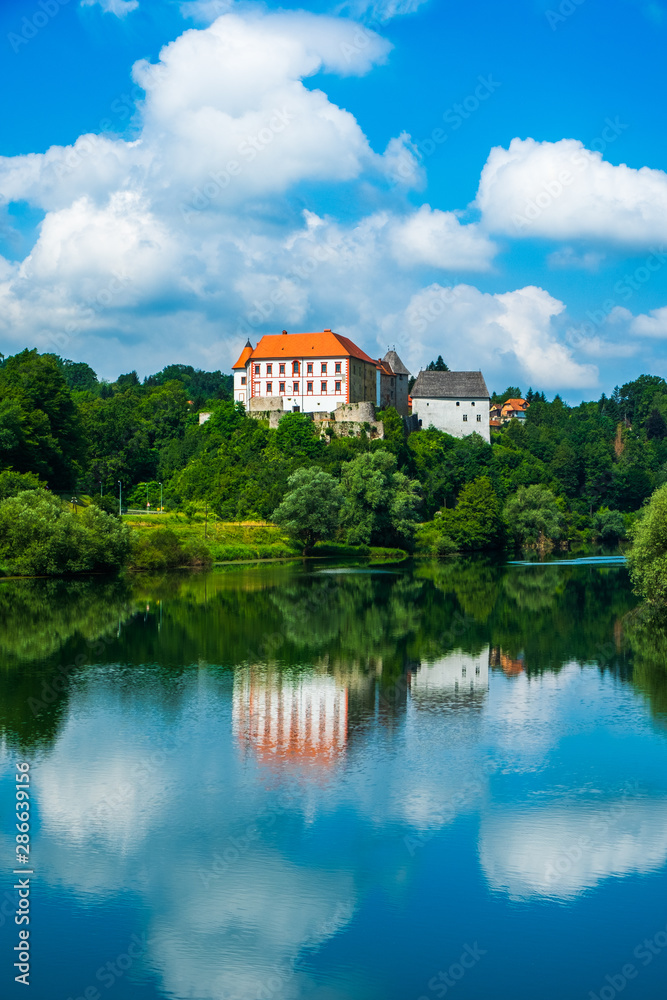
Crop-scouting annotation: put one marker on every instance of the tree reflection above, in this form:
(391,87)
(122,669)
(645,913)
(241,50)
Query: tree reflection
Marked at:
(369,628)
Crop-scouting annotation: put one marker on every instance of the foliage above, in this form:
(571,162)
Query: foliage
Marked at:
(648,555)
(12,483)
(310,511)
(608,525)
(533,515)
(40,428)
(437,366)
(40,536)
(380,502)
(163,550)
(475,523)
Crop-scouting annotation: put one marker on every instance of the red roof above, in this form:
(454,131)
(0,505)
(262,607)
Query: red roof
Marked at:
(304,345)
(245,354)
(515,404)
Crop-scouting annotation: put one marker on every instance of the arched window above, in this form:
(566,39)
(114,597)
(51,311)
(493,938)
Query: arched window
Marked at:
(295,368)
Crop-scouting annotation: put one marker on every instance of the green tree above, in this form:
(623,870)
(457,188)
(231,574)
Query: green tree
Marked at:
(40,430)
(476,522)
(647,558)
(40,536)
(310,511)
(532,516)
(608,525)
(437,366)
(380,503)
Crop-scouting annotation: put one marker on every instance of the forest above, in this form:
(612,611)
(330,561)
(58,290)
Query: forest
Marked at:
(565,474)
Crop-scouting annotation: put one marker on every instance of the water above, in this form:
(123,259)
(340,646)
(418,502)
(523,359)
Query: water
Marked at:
(287,782)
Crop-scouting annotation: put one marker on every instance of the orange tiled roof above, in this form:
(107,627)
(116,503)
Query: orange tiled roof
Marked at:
(515,404)
(245,354)
(304,345)
(384,368)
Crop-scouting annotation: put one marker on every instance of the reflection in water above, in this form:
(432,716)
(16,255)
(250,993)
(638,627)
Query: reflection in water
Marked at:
(482,743)
(561,850)
(290,719)
(459,675)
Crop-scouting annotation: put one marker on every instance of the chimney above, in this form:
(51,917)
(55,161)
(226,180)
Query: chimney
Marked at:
(284,333)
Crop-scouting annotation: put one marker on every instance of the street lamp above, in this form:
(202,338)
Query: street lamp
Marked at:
(120,499)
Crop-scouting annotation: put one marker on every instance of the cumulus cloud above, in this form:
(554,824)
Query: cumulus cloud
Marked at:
(514,329)
(561,190)
(118,7)
(438,239)
(190,235)
(652,325)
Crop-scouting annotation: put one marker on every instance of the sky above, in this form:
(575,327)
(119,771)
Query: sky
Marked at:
(485,181)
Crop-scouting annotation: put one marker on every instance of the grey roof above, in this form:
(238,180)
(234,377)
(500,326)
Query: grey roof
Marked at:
(450,385)
(392,359)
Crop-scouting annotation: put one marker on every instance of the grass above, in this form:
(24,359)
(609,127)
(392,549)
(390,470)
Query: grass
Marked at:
(249,540)
(226,541)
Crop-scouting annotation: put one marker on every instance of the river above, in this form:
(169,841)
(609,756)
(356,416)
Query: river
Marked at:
(337,783)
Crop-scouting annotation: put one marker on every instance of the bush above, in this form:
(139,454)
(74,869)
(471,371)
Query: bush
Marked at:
(162,549)
(533,516)
(41,537)
(647,558)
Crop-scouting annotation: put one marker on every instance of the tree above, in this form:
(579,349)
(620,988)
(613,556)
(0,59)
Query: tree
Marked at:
(533,516)
(40,536)
(511,392)
(608,525)
(475,523)
(647,558)
(437,366)
(380,503)
(40,430)
(310,511)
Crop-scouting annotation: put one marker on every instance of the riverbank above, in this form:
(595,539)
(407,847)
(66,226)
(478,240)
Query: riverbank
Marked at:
(213,542)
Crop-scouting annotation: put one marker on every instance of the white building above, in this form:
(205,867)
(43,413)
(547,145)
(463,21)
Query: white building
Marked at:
(307,372)
(454,402)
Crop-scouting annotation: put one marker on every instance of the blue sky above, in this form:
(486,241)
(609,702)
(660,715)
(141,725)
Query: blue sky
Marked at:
(482,181)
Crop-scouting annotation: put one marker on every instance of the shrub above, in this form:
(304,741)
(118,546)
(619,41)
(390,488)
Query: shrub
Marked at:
(39,536)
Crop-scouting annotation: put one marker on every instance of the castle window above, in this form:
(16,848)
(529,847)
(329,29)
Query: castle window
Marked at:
(479,418)
(269,388)
(309,368)
(309,387)
(338,371)
(323,389)
(465,417)
(257,367)
(337,389)
(295,390)
(243,380)
(269,371)
(295,368)
(281,369)
(281,386)
(324,368)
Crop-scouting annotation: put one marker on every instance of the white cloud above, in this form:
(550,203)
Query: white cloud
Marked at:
(381,10)
(118,7)
(514,331)
(567,258)
(437,239)
(561,190)
(205,11)
(652,325)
